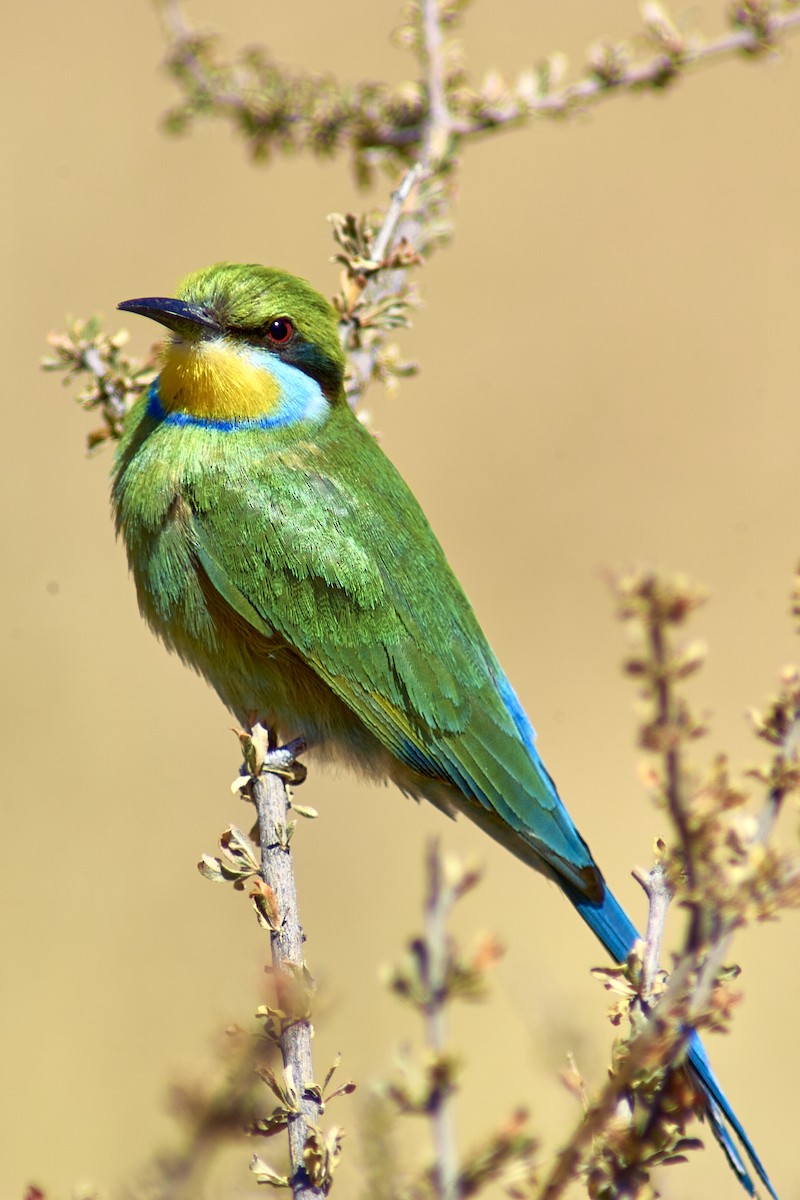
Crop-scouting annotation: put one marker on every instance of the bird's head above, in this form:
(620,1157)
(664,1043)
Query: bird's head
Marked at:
(249,344)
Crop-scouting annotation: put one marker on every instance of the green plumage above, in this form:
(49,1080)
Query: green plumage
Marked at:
(294,569)
(277,550)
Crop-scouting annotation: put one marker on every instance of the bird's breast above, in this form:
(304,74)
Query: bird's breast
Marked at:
(211,380)
(229,385)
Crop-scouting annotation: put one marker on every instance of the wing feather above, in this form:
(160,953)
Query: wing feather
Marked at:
(357,584)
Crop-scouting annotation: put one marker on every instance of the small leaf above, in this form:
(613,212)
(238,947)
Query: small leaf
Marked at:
(265,903)
(265,1174)
(332,1071)
(321,1156)
(277,1121)
(239,846)
(305,810)
(272,1014)
(283,1090)
(211,868)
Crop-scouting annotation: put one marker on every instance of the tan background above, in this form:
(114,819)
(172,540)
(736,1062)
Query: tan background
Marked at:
(610,376)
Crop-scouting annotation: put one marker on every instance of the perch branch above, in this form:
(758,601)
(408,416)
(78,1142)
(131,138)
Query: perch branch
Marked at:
(271,799)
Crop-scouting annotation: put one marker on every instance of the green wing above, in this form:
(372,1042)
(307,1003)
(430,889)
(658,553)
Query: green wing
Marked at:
(353,578)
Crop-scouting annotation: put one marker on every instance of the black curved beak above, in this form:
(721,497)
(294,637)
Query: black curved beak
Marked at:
(182,318)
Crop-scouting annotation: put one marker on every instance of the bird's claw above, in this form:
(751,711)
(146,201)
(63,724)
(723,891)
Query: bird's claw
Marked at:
(283,761)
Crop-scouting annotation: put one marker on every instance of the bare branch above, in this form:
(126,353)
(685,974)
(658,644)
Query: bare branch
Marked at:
(275,108)
(659,896)
(661,1041)
(277,872)
(437,120)
(266,772)
(111,379)
(384,239)
(438,904)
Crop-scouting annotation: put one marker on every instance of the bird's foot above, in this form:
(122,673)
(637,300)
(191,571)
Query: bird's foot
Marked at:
(282,760)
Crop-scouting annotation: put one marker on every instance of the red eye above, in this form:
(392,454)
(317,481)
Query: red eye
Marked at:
(280,331)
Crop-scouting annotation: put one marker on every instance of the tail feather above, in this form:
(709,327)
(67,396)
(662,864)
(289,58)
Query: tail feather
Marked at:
(723,1119)
(611,924)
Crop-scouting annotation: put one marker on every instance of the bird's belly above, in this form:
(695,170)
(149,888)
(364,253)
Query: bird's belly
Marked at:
(256,676)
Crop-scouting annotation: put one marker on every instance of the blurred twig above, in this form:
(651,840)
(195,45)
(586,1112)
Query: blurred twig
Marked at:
(111,379)
(720,870)
(661,1040)
(438,903)
(419,127)
(275,108)
(436,126)
(432,976)
(213,1111)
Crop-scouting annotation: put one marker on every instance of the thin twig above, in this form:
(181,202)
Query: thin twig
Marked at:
(477,113)
(182,37)
(437,120)
(277,872)
(666,721)
(659,895)
(385,281)
(437,907)
(655,71)
(684,1004)
(113,395)
(385,236)
(790,752)
(213,1115)
(435,138)
(676,999)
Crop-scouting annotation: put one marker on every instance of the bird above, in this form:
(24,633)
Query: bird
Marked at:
(276,549)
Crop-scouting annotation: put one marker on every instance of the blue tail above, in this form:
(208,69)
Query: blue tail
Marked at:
(611,924)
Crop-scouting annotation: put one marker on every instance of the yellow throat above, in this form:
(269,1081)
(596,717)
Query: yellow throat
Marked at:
(216,380)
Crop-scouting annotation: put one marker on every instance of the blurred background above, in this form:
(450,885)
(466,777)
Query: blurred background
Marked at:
(609,356)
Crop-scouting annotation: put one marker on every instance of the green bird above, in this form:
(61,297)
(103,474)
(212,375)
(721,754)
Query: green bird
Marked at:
(277,550)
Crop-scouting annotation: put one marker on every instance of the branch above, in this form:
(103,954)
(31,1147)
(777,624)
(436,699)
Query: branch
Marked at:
(434,973)
(779,725)
(384,239)
(376,296)
(437,121)
(721,870)
(760,30)
(661,1040)
(659,894)
(263,779)
(214,1111)
(438,903)
(415,129)
(271,799)
(276,108)
(112,379)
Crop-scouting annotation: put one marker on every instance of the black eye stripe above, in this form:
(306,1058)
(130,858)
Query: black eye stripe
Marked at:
(296,351)
(266,334)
